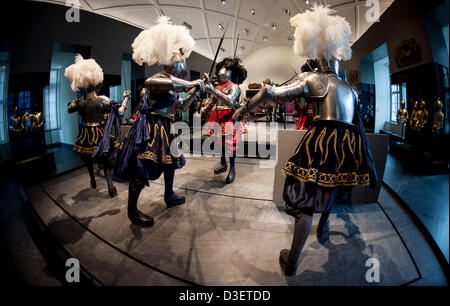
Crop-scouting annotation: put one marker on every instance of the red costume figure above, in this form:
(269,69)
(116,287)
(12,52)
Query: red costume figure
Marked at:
(225,98)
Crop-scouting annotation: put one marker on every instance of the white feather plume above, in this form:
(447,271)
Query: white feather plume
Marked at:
(318,34)
(84,73)
(158,44)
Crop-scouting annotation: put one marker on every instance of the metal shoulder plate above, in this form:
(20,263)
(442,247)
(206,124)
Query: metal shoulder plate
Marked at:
(316,84)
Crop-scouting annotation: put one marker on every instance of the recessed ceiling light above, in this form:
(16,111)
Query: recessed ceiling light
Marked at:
(252,11)
(274,26)
(246,31)
(220,26)
(264,38)
(187,25)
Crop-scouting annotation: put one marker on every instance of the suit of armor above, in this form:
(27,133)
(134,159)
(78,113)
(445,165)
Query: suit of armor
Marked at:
(92,109)
(402,114)
(154,155)
(438,117)
(225,97)
(414,118)
(422,116)
(333,155)
(332,98)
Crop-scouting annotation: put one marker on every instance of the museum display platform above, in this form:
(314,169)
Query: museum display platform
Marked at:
(223,235)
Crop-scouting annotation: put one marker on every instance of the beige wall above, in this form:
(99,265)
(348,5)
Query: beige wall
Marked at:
(272,62)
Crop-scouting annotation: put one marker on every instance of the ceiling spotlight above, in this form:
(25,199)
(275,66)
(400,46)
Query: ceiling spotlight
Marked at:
(307,2)
(223,2)
(274,26)
(242,49)
(290,38)
(246,31)
(187,25)
(265,38)
(220,26)
(287,12)
(252,11)
(222,49)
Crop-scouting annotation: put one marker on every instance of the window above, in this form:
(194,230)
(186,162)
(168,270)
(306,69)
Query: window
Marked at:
(50,102)
(398,94)
(3,102)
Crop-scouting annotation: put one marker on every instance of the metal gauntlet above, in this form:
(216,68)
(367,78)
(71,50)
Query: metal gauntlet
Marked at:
(125,101)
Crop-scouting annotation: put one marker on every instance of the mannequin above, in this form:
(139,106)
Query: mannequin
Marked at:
(147,151)
(402,114)
(87,74)
(225,97)
(438,117)
(422,116)
(414,119)
(316,171)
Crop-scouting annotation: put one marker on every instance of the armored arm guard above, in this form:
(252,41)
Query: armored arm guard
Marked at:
(161,83)
(72,106)
(229,99)
(125,101)
(184,103)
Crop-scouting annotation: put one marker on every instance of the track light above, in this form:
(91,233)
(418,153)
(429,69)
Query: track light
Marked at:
(187,25)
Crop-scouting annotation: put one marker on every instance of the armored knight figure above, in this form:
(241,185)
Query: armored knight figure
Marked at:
(402,114)
(87,74)
(438,117)
(225,97)
(334,154)
(148,149)
(414,119)
(422,116)
(18,123)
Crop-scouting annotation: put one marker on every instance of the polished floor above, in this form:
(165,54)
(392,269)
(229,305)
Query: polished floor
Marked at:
(426,195)
(224,234)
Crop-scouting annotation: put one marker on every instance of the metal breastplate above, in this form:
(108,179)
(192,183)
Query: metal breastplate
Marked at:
(227,91)
(155,96)
(338,104)
(92,109)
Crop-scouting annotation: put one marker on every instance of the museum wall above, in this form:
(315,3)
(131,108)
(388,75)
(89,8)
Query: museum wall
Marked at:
(31,46)
(402,21)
